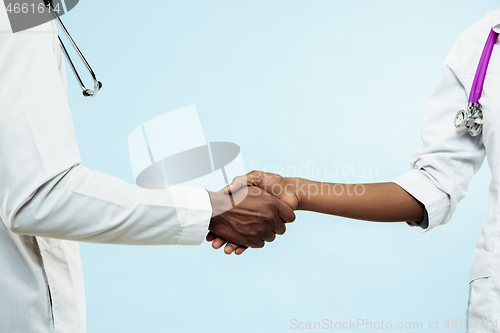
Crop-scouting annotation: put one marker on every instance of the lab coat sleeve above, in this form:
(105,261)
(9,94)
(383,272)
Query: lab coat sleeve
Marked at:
(442,169)
(89,206)
(44,191)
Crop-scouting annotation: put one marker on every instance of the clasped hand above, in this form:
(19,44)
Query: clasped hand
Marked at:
(260,215)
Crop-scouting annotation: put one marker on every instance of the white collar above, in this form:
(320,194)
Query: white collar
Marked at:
(496,20)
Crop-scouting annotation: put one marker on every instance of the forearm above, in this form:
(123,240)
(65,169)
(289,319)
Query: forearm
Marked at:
(381,202)
(88,206)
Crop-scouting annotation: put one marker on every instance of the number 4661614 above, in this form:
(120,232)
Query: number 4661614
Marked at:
(26,8)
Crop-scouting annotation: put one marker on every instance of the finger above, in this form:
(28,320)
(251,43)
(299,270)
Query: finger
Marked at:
(229,188)
(229,248)
(211,236)
(285,212)
(251,178)
(258,244)
(281,229)
(240,250)
(218,242)
(270,236)
(285,215)
(236,184)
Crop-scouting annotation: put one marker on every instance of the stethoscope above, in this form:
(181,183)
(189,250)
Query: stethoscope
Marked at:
(97,84)
(472,118)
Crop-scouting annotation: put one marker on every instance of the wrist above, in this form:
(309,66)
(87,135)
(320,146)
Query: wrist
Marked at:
(298,189)
(220,203)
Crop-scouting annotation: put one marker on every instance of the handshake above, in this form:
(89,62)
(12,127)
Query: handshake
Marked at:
(260,215)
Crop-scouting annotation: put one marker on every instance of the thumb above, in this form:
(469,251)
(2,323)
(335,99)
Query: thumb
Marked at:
(285,212)
(251,178)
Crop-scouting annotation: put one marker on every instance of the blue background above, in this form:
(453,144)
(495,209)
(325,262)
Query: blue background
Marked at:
(317,83)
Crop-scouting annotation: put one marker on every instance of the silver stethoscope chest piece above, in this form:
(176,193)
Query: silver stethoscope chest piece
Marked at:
(471,119)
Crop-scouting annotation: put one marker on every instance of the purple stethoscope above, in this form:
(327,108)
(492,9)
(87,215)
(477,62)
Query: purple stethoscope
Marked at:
(472,118)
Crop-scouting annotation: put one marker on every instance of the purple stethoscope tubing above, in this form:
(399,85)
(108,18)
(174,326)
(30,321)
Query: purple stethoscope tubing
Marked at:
(478,83)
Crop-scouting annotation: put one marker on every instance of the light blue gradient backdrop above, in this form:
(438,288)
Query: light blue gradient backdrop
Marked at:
(295,83)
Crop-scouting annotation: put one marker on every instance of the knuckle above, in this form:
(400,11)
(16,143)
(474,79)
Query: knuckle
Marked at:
(255,231)
(259,244)
(253,244)
(252,174)
(282,230)
(253,237)
(268,208)
(273,219)
(261,230)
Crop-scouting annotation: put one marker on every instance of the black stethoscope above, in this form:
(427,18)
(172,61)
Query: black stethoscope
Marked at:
(97,84)
(472,118)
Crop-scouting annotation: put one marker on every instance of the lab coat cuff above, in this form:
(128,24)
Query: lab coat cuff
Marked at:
(194,211)
(434,201)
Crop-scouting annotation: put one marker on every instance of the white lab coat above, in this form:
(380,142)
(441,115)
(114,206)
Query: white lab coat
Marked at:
(443,168)
(49,202)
